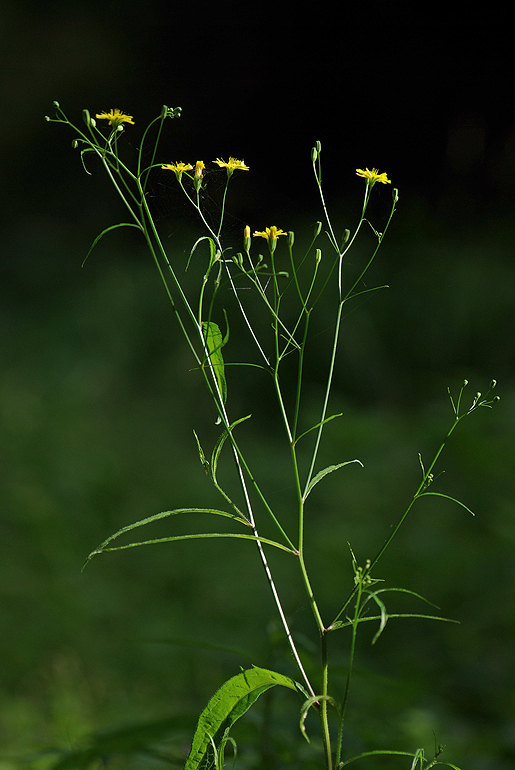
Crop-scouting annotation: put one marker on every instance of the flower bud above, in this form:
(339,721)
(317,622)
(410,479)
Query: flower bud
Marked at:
(198,174)
(56,105)
(318,256)
(86,117)
(291,238)
(318,227)
(246,239)
(492,384)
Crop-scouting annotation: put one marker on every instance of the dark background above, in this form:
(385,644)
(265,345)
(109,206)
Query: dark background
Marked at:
(98,402)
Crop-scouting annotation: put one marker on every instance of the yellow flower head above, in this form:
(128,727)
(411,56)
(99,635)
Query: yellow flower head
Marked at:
(178,168)
(232,165)
(373,176)
(199,169)
(270,234)
(115,117)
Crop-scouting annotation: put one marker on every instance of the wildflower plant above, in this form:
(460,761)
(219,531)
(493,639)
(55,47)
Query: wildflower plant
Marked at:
(289,299)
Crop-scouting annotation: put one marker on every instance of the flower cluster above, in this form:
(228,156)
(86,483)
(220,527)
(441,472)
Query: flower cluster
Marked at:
(179,168)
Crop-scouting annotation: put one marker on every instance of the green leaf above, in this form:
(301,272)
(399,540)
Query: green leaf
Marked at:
(214,345)
(439,494)
(229,703)
(113,227)
(314,427)
(315,699)
(156,517)
(320,475)
(219,444)
(377,753)
(212,251)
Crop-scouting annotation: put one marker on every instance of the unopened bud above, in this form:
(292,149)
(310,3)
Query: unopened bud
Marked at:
(318,227)
(75,144)
(86,117)
(493,384)
(56,105)
(465,383)
(164,112)
(346,236)
(199,174)
(318,256)
(291,238)
(246,239)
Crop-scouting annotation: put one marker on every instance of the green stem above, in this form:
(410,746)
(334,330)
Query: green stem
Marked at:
(326,735)
(355,622)
(422,486)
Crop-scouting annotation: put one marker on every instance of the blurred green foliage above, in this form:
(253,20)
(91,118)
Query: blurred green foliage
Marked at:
(98,404)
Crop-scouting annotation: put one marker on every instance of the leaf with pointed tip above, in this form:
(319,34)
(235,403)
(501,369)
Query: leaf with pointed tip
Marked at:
(214,344)
(320,475)
(112,227)
(229,703)
(219,444)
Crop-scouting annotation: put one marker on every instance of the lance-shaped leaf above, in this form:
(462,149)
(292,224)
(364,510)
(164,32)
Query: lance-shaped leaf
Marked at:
(320,475)
(229,703)
(214,345)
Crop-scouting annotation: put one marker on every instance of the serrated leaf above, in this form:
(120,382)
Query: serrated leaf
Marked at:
(229,703)
(320,475)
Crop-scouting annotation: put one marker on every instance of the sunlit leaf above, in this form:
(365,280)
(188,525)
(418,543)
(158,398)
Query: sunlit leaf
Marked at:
(229,703)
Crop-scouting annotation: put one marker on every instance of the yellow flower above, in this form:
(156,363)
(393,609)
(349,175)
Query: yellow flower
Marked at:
(270,234)
(199,169)
(178,168)
(115,117)
(373,176)
(232,165)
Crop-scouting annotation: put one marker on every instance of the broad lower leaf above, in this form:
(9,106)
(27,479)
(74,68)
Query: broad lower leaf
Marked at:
(229,703)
